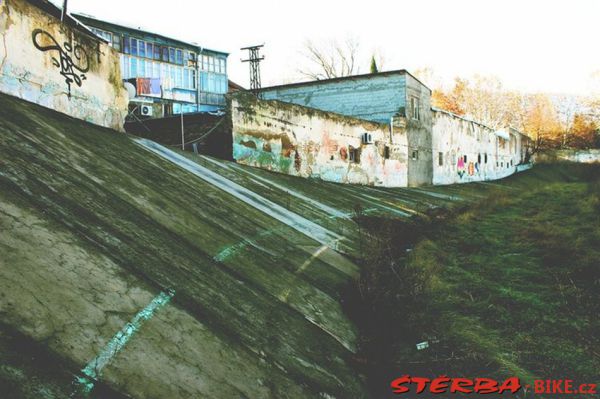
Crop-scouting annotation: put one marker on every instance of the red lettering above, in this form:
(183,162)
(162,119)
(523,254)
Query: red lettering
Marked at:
(398,384)
(556,386)
(460,385)
(592,389)
(421,383)
(538,386)
(439,385)
(512,384)
(485,385)
(568,386)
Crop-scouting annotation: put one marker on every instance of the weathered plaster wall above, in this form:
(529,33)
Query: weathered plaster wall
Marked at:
(420,170)
(373,97)
(59,66)
(305,142)
(471,151)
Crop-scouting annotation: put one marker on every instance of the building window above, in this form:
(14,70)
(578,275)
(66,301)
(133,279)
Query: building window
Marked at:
(141,48)
(124,66)
(354,154)
(440,159)
(414,105)
(126,49)
(386,152)
(149,50)
(134,46)
(165,54)
(103,34)
(479,158)
(485,158)
(141,68)
(179,57)
(133,72)
(171,55)
(415,155)
(116,42)
(465,159)
(156,52)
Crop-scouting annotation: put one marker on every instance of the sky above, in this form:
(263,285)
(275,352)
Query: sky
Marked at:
(531,45)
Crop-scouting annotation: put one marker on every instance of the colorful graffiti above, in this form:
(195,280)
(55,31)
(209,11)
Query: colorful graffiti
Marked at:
(460,166)
(72,59)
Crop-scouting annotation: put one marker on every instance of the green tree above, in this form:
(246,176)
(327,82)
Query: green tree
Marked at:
(374,68)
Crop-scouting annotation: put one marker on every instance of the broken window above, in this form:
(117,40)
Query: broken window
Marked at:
(415,155)
(440,159)
(366,138)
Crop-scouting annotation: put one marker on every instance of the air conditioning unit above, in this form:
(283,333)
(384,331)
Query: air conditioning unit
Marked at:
(146,110)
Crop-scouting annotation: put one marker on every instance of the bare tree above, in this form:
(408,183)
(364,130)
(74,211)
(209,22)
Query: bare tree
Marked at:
(332,60)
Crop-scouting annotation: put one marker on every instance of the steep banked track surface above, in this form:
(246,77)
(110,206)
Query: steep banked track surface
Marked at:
(223,299)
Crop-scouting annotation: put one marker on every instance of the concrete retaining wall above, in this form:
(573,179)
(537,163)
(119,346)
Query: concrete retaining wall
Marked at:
(59,65)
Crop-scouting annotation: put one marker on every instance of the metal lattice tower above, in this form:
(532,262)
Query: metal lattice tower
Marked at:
(254,59)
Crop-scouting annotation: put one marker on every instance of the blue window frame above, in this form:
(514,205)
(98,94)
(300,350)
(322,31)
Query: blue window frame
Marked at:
(141,48)
(126,44)
(134,69)
(134,46)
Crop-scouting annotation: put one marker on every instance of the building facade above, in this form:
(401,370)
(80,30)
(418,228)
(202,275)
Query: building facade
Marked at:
(375,129)
(58,64)
(166,76)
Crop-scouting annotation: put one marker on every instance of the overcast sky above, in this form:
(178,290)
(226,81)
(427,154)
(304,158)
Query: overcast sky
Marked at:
(532,45)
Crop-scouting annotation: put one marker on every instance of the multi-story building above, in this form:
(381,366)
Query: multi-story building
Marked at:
(168,76)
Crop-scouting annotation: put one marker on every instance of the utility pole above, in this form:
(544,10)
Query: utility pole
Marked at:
(254,59)
(64,11)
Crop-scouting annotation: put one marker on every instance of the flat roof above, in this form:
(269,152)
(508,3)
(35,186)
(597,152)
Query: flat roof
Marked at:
(332,80)
(139,29)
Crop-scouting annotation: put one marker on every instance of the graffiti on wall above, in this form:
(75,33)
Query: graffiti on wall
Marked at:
(72,60)
(460,166)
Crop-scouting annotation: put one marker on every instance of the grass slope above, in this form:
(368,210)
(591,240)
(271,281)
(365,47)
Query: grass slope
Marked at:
(513,290)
